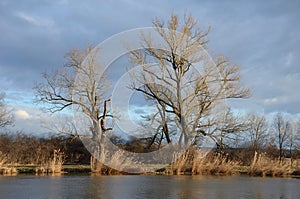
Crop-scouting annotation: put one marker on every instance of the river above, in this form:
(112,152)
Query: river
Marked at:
(130,187)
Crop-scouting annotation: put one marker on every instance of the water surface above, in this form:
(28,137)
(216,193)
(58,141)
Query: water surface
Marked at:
(129,187)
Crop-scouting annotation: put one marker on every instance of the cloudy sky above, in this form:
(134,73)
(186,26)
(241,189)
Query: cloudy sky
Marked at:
(260,36)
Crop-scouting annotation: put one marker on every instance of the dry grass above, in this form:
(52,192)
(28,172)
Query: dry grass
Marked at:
(192,162)
(54,166)
(118,162)
(195,163)
(264,166)
(6,170)
(3,159)
(126,163)
(217,164)
(179,163)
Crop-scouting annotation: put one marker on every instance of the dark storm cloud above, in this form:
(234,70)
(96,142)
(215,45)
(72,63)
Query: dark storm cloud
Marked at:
(36,34)
(261,36)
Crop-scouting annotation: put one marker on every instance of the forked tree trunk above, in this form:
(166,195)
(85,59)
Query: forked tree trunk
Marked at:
(98,155)
(96,165)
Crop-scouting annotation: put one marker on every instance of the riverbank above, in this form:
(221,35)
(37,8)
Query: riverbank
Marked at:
(189,163)
(85,169)
(33,169)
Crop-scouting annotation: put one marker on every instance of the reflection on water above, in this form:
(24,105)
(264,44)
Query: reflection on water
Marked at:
(123,187)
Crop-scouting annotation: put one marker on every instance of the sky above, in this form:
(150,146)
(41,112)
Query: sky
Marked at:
(260,36)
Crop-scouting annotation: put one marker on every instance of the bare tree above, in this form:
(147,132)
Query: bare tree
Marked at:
(226,128)
(293,140)
(60,92)
(6,118)
(282,128)
(183,90)
(297,142)
(258,131)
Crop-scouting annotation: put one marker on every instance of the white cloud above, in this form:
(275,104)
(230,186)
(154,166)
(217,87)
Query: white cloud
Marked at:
(289,59)
(34,20)
(22,114)
(32,119)
(269,101)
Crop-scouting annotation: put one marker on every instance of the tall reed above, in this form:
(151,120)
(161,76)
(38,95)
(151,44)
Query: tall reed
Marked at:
(6,170)
(194,162)
(54,165)
(262,165)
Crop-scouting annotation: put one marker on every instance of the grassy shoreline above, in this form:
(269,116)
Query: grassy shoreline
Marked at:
(85,169)
(188,163)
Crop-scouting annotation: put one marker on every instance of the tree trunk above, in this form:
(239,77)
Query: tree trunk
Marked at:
(98,156)
(96,165)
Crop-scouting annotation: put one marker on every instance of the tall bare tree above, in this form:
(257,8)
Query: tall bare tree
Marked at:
(293,140)
(185,83)
(297,136)
(6,118)
(258,131)
(60,91)
(282,128)
(297,142)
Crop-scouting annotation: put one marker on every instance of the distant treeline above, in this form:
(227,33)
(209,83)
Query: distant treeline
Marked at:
(21,148)
(28,149)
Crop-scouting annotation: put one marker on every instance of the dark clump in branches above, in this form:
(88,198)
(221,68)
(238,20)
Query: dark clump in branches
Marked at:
(185,93)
